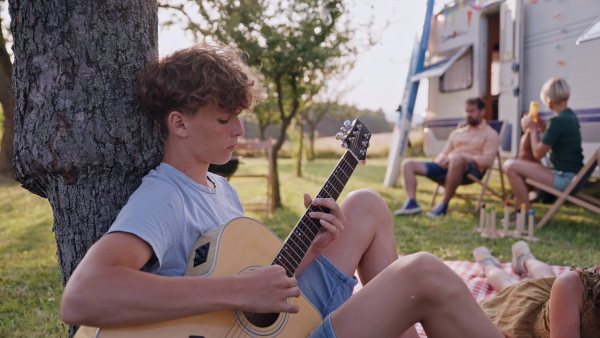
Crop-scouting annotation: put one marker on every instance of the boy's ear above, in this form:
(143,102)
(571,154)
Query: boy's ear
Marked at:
(176,122)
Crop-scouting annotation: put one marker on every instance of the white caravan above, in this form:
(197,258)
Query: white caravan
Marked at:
(503,51)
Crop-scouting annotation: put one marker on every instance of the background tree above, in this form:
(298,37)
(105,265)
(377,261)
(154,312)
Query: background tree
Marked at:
(289,42)
(7,99)
(81,138)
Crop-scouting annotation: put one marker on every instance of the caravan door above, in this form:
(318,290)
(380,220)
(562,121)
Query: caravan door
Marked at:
(509,100)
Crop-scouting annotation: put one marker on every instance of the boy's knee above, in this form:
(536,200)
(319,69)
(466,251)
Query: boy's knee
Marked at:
(429,272)
(421,266)
(364,196)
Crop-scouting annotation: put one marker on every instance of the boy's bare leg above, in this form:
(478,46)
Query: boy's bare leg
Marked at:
(367,244)
(415,288)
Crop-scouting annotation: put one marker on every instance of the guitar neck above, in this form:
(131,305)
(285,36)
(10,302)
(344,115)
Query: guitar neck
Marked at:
(296,245)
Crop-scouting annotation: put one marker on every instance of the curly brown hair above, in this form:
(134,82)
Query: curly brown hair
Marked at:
(195,77)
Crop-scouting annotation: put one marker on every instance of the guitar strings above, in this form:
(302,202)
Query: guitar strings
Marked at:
(332,189)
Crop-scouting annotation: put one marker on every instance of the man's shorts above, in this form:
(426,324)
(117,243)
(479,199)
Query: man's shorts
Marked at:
(562,179)
(437,174)
(326,287)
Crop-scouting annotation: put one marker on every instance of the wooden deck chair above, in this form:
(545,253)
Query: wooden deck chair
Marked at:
(572,193)
(500,127)
(268,206)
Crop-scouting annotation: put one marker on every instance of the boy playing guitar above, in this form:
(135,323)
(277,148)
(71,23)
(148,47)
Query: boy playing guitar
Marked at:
(134,275)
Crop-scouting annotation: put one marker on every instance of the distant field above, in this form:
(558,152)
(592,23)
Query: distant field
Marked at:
(379,146)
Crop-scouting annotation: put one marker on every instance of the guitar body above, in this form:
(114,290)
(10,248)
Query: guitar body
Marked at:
(240,245)
(245,244)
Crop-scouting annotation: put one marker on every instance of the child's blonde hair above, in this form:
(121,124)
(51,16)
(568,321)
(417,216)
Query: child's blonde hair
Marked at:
(555,90)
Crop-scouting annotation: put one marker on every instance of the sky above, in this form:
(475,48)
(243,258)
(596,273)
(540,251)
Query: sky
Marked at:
(379,76)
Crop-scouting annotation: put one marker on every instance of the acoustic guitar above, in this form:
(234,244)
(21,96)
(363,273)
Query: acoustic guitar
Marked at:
(245,244)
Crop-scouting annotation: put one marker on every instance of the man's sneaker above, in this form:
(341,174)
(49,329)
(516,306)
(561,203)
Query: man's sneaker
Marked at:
(439,210)
(520,252)
(483,256)
(410,207)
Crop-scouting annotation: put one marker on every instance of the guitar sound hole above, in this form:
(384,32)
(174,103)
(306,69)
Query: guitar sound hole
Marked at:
(261,319)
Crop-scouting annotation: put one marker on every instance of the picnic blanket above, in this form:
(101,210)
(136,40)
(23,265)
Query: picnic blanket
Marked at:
(473,276)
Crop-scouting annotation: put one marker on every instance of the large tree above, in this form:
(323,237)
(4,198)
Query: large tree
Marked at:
(81,138)
(289,41)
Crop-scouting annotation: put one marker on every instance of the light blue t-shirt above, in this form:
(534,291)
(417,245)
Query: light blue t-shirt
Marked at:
(170,211)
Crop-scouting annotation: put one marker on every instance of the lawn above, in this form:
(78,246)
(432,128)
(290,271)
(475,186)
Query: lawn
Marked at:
(30,287)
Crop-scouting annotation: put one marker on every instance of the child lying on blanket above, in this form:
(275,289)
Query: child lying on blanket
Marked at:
(546,306)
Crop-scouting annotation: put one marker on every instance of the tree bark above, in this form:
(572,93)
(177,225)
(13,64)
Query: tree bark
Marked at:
(81,137)
(7,99)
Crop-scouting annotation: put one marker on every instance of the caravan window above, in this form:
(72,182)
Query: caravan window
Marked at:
(459,75)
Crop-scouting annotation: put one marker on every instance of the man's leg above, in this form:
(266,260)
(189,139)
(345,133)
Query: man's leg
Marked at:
(456,170)
(518,170)
(410,169)
(415,288)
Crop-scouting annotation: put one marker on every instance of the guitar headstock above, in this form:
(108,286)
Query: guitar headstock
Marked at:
(355,137)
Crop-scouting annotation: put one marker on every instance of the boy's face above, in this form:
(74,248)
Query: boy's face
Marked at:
(213,134)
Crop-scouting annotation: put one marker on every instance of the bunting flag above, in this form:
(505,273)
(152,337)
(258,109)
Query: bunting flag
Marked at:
(477,8)
(469,16)
(461,5)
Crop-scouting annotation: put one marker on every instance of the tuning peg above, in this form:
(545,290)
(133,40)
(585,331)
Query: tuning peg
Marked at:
(347,123)
(339,136)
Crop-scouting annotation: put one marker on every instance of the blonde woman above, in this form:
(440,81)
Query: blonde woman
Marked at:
(562,139)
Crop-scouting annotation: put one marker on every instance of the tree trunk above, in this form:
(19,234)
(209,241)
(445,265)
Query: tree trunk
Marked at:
(7,99)
(81,137)
(310,152)
(300,148)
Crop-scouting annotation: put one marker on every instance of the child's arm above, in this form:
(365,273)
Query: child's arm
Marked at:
(566,306)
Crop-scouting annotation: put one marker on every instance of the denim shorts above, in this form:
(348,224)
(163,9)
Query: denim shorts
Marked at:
(562,179)
(326,287)
(435,173)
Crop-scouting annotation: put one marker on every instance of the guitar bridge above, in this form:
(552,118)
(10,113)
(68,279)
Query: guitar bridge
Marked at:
(201,257)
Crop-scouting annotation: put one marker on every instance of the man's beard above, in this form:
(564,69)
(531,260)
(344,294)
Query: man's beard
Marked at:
(473,123)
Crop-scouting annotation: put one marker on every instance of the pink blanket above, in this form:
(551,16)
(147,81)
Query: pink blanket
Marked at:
(473,276)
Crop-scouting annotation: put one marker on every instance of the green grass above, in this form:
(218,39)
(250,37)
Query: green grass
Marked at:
(30,287)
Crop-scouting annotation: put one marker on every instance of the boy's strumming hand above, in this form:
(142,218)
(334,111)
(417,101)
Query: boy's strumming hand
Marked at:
(266,290)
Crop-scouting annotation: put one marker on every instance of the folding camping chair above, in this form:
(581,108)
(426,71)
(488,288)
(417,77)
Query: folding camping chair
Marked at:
(572,193)
(500,128)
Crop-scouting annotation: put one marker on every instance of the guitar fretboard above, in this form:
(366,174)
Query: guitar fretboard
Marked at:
(297,244)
